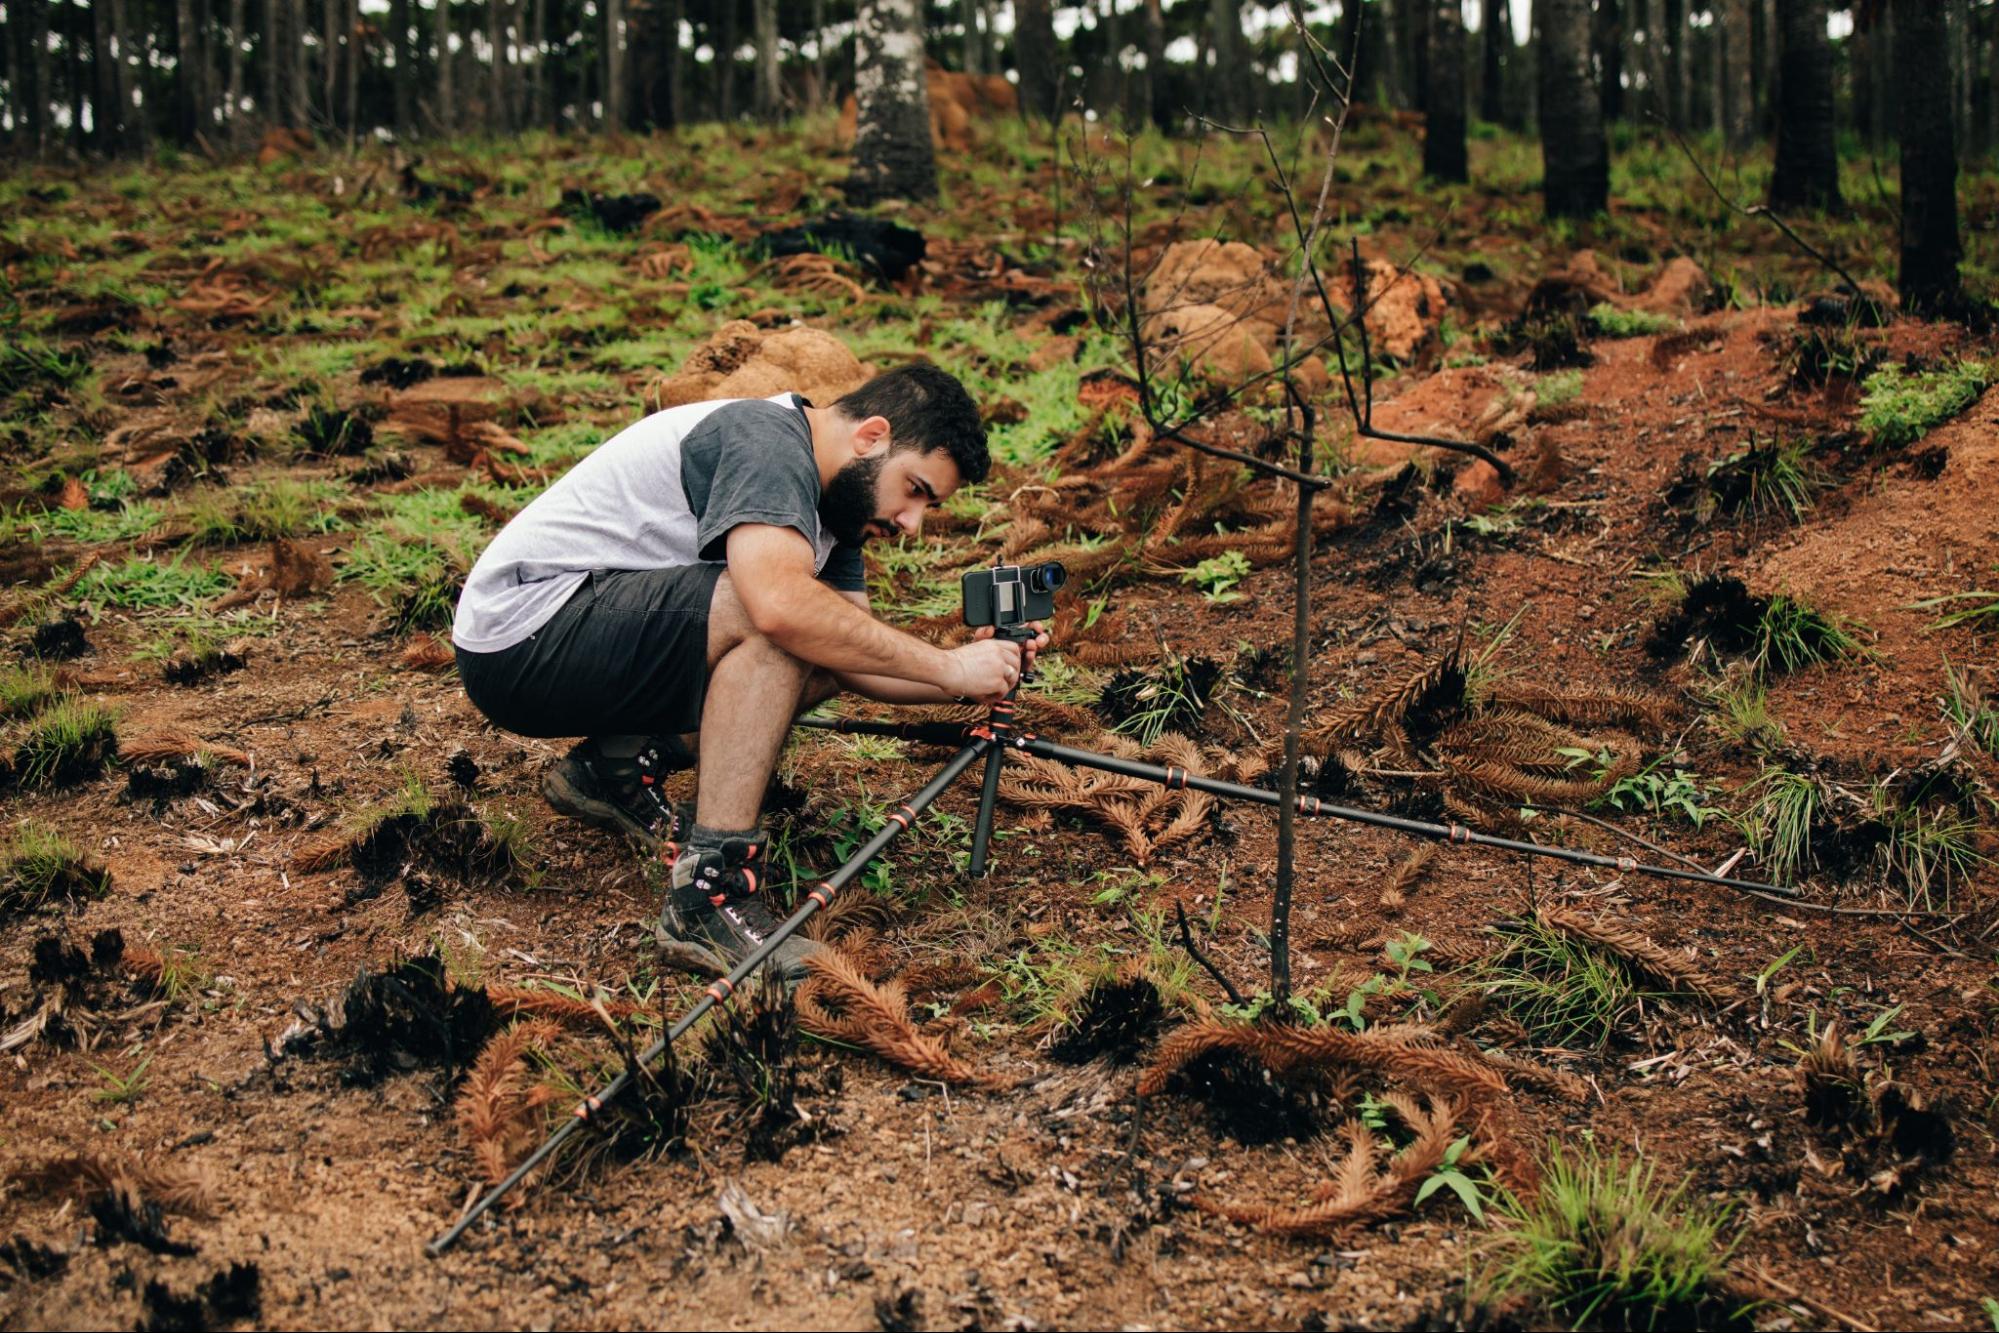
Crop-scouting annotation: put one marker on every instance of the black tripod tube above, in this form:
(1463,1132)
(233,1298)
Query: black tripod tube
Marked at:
(1179,778)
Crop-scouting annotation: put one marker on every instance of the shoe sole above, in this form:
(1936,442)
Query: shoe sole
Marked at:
(563,795)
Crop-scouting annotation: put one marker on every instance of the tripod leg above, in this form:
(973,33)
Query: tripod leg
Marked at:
(982,831)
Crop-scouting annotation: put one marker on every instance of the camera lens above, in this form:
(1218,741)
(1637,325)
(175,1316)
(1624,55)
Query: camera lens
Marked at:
(1044,578)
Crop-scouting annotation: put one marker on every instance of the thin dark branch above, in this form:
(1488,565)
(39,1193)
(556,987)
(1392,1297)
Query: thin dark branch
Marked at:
(1194,952)
(1764,211)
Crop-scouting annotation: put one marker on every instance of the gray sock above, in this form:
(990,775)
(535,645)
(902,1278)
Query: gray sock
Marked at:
(705,839)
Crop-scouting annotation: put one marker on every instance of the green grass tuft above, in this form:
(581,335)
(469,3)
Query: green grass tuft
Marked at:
(1562,991)
(1791,635)
(1779,821)
(1604,1245)
(26,690)
(1900,407)
(1610,322)
(70,741)
(40,865)
(145,584)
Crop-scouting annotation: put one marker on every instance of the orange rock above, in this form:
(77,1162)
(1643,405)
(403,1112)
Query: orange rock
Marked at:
(1679,289)
(1478,485)
(742,361)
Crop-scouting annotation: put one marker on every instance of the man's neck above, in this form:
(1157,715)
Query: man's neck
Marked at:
(829,438)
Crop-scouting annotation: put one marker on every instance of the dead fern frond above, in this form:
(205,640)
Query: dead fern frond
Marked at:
(1637,950)
(1360,1193)
(34,603)
(496,1107)
(1282,1046)
(159,747)
(568,1010)
(839,1002)
(428,652)
(1539,1077)
(1395,890)
(321,853)
(1613,706)
(80,1175)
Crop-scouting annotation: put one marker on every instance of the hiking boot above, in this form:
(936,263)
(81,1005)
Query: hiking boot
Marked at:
(716,902)
(624,795)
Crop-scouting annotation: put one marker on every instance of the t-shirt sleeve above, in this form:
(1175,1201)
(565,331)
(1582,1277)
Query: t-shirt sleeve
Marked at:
(759,475)
(844,569)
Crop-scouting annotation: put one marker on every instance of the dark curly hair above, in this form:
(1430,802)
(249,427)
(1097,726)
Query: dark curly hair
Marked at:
(927,409)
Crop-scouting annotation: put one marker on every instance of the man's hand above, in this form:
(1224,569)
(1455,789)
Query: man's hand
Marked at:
(1032,647)
(983,671)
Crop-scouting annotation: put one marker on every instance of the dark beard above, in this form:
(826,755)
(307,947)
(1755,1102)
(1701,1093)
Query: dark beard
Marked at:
(847,505)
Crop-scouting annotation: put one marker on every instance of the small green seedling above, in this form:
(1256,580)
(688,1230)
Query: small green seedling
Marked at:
(1449,1175)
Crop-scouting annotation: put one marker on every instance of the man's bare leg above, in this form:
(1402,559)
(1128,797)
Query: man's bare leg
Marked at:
(741,733)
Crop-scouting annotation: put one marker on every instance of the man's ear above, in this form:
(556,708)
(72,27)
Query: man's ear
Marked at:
(870,436)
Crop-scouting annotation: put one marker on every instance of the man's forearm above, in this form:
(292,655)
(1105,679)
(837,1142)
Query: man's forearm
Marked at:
(889,690)
(819,626)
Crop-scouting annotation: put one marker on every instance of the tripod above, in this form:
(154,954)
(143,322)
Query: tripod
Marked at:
(991,740)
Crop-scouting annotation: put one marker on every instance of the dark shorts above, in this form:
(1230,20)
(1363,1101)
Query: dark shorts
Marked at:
(626,655)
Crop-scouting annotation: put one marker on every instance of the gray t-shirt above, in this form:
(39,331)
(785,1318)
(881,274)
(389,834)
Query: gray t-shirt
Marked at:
(660,493)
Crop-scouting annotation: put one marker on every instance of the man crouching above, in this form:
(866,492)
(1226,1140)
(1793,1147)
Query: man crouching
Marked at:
(698,579)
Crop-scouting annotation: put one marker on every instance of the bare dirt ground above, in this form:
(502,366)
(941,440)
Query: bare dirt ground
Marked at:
(1053,1196)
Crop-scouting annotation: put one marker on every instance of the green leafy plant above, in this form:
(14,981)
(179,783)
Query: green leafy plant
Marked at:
(1777,477)
(1217,577)
(122,1090)
(145,584)
(1658,793)
(1449,1175)
(1878,1032)
(1779,819)
(1900,406)
(1603,1243)
(26,690)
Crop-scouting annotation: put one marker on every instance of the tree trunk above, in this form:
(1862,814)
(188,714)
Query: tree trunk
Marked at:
(1495,39)
(968,11)
(1928,278)
(128,23)
(768,105)
(1737,73)
(725,58)
(104,116)
(446,94)
(403,76)
(892,153)
(821,94)
(1035,55)
(1444,94)
(329,61)
(1391,65)
(1807,170)
(1229,94)
(1150,89)
(1609,32)
(232,100)
(676,73)
(351,67)
(614,65)
(1575,158)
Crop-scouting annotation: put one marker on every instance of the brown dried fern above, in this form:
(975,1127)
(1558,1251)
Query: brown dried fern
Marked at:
(80,1175)
(1395,890)
(1361,1192)
(497,1109)
(839,1002)
(1612,706)
(159,747)
(1639,951)
(1282,1046)
(538,1002)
